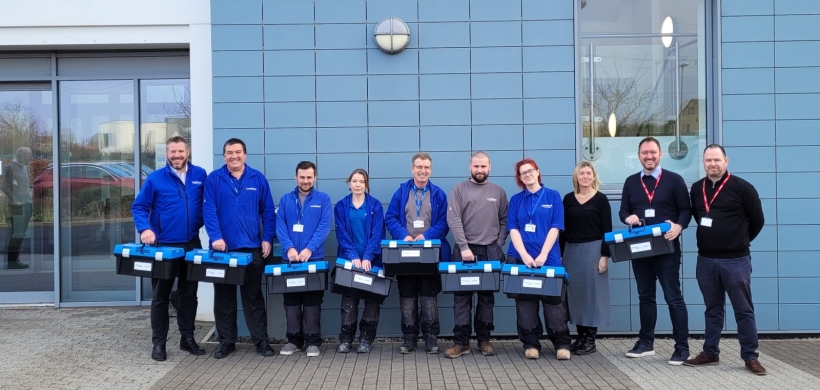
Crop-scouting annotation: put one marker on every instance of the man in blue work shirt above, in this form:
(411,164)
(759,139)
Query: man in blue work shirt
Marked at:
(302,225)
(418,211)
(237,203)
(168,212)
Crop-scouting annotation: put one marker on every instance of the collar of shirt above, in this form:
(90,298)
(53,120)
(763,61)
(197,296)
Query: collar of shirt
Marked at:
(655,173)
(181,175)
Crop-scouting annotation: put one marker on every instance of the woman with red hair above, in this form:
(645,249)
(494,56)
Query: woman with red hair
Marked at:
(534,220)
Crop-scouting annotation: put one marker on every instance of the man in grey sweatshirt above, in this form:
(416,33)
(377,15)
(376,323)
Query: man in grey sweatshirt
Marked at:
(477,216)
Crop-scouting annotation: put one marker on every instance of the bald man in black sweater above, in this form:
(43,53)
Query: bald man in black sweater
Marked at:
(658,195)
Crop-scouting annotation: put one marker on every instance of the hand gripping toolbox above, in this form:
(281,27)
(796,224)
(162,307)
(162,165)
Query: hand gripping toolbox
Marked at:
(639,242)
(521,281)
(148,261)
(218,267)
(411,258)
(297,277)
(470,276)
(370,285)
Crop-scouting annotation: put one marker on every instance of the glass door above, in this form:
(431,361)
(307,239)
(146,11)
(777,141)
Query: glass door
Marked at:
(26,213)
(97,183)
(643,73)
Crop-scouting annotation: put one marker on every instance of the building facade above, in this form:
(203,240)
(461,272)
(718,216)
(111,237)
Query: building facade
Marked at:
(558,80)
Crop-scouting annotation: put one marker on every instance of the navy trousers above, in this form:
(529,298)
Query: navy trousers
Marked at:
(718,278)
(664,269)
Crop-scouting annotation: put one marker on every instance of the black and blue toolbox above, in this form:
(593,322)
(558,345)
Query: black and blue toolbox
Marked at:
(639,242)
(521,281)
(217,267)
(371,285)
(470,276)
(411,257)
(295,277)
(148,261)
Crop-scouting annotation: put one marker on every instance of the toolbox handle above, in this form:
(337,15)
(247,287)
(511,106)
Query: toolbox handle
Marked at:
(638,229)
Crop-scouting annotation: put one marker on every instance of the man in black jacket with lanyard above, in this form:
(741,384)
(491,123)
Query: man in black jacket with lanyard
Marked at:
(729,216)
(645,198)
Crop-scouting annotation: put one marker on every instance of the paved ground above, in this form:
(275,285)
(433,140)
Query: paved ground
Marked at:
(105,348)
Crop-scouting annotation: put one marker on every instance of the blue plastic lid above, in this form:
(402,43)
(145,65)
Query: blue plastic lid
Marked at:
(636,232)
(308,267)
(397,243)
(545,271)
(449,267)
(161,253)
(347,264)
(231,259)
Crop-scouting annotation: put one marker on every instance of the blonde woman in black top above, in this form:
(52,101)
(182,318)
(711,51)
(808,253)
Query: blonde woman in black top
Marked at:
(587,216)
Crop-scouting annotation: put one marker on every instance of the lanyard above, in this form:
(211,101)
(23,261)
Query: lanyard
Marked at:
(657,183)
(417,200)
(236,184)
(302,206)
(535,207)
(709,203)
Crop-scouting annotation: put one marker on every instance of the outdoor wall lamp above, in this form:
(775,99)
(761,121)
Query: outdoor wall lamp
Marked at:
(677,149)
(392,35)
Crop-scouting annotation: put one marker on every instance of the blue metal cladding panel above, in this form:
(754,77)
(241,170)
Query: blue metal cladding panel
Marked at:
(797,106)
(495,34)
(797,132)
(738,81)
(548,33)
(496,85)
(452,34)
(797,53)
(393,87)
(510,137)
(407,10)
(748,55)
(289,63)
(254,139)
(444,112)
(341,11)
(748,29)
(748,107)
(547,9)
(757,159)
(394,139)
(559,136)
(484,10)
(444,11)
(444,86)
(798,212)
(497,112)
(789,7)
(747,7)
(337,114)
(406,62)
(797,28)
(549,84)
(341,36)
(237,63)
(290,115)
(444,61)
(287,12)
(798,159)
(341,62)
(290,89)
(238,115)
(748,133)
(298,140)
(341,140)
(237,89)
(236,37)
(797,80)
(393,113)
(236,12)
(290,37)
(341,88)
(443,138)
(549,59)
(495,59)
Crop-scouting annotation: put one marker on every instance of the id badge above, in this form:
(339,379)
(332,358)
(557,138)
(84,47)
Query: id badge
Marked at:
(649,213)
(298,228)
(706,222)
(529,228)
(418,224)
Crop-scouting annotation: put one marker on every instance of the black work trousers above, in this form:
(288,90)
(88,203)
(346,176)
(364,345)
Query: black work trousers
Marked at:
(253,303)
(415,290)
(463,302)
(161,294)
(368,324)
(303,312)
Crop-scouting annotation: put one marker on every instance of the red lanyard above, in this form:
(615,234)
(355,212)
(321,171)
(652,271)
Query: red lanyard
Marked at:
(709,204)
(652,195)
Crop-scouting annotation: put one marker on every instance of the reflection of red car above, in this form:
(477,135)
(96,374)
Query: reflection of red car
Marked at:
(76,176)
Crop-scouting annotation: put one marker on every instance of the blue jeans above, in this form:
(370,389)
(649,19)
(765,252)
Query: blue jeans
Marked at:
(666,270)
(717,278)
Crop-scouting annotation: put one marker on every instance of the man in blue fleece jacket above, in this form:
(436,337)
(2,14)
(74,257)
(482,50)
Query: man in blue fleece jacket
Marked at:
(302,224)
(418,211)
(168,212)
(240,217)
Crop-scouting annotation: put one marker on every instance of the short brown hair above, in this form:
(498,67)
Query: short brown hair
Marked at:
(649,139)
(176,139)
(421,155)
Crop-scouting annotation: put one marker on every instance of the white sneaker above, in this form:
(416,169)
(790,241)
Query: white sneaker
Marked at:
(312,351)
(288,349)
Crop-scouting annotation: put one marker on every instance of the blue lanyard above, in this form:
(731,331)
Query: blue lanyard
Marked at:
(537,202)
(301,206)
(417,200)
(236,184)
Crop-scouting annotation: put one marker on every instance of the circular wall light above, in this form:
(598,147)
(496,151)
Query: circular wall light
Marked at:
(612,124)
(392,35)
(667,29)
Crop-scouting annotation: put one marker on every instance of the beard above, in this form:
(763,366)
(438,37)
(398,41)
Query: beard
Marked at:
(305,188)
(173,163)
(480,180)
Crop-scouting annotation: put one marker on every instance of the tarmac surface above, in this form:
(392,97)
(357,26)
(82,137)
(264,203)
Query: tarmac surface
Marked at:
(109,348)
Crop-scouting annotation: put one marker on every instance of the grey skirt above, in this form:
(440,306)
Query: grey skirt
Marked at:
(588,291)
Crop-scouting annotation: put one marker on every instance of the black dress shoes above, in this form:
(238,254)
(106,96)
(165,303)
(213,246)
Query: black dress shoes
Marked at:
(191,346)
(264,349)
(158,353)
(224,350)
(16,264)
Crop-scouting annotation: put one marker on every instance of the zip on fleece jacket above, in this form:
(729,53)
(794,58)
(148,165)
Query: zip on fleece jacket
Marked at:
(374,229)
(170,208)
(395,219)
(314,216)
(234,214)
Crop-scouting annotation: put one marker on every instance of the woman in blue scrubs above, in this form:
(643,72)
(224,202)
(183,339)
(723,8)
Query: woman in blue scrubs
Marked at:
(535,218)
(359,231)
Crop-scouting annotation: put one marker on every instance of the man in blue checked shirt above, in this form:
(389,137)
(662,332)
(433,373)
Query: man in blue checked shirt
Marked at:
(240,217)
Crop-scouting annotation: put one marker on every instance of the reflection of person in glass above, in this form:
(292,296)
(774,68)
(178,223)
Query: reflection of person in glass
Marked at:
(18,193)
(540,212)
(168,212)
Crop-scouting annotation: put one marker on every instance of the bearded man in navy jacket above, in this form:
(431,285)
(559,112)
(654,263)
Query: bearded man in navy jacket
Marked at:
(168,212)
(302,225)
(240,217)
(418,211)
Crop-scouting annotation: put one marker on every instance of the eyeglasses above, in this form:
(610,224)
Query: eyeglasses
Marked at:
(527,172)
(422,167)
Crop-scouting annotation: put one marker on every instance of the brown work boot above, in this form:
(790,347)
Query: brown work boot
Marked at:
(486,348)
(531,353)
(754,366)
(703,359)
(457,350)
(562,354)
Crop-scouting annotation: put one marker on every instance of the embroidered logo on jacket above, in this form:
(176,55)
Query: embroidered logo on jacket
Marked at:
(546,206)
(197,182)
(492,199)
(318,206)
(250,188)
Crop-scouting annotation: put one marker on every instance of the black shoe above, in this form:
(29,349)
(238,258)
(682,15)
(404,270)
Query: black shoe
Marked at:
(579,341)
(431,345)
(678,357)
(224,350)
(16,264)
(190,346)
(588,345)
(158,353)
(407,347)
(264,349)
